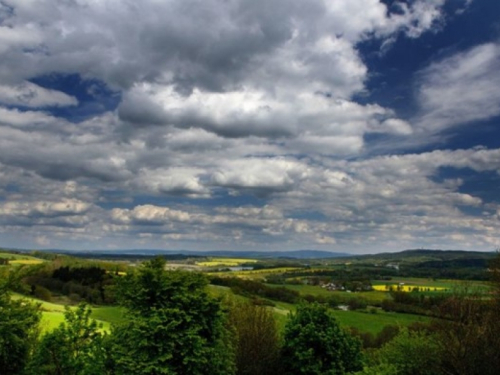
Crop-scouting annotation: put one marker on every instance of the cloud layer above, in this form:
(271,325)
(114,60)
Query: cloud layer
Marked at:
(237,126)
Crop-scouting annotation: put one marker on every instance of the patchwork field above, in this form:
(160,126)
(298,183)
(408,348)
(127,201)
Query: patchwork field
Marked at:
(408,288)
(256,274)
(315,290)
(426,285)
(225,262)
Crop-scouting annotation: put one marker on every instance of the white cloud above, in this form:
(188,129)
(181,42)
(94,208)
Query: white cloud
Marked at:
(460,89)
(28,94)
(65,207)
(264,175)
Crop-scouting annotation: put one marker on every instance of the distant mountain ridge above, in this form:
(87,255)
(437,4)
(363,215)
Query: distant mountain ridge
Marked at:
(411,255)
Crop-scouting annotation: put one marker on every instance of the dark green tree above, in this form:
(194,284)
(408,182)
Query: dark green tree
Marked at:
(315,344)
(172,325)
(19,321)
(76,347)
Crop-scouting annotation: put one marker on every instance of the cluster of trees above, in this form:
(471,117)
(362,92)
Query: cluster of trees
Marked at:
(415,303)
(89,283)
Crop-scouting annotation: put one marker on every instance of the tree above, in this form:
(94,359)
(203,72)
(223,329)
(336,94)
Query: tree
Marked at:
(469,334)
(172,325)
(314,343)
(19,322)
(257,339)
(409,353)
(75,347)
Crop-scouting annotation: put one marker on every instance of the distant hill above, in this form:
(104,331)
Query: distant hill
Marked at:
(296,254)
(428,255)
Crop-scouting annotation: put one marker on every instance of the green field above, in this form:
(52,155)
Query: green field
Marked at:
(374,323)
(53,313)
(373,297)
(20,259)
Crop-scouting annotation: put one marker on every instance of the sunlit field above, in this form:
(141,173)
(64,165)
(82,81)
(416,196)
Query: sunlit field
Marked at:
(407,288)
(225,262)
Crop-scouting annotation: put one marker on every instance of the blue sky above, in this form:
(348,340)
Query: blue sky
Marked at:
(355,126)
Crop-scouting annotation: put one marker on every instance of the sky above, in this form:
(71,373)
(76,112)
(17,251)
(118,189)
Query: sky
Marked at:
(356,126)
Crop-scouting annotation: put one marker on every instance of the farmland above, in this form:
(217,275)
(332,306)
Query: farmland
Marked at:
(372,301)
(225,262)
(20,259)
(53,313)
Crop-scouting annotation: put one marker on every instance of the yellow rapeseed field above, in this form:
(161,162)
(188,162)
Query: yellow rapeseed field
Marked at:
(407,288)
(25,261)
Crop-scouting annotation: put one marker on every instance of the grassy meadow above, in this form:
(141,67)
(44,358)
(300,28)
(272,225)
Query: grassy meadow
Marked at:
(53,313)
(20,259)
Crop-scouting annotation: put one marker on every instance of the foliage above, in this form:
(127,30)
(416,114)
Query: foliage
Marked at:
(257,339)
(89,282)
(409,353)
(19,321)
(314,343)
(370,340)
(76,347)
(172,325)
(470,335)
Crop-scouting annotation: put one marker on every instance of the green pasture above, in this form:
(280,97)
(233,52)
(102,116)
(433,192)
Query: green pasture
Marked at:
(449,284)
(363,321)
(372,297)
(53,313)
(373,323)
(16,256)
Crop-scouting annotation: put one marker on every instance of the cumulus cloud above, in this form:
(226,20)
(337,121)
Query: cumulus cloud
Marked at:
(61,208)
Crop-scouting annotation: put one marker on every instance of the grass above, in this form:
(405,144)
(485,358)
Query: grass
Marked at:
(53,313)
(108,314)
(428,283)
(363,321)
(19,259)
(374,323)
(434,285)
(15,256)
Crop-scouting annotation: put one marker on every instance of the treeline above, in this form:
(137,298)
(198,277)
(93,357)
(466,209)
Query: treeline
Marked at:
(459,269)
(76,280)
(251,288)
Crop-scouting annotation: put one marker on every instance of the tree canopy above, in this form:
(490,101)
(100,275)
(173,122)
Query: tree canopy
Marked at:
(315,344)
(173,326)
